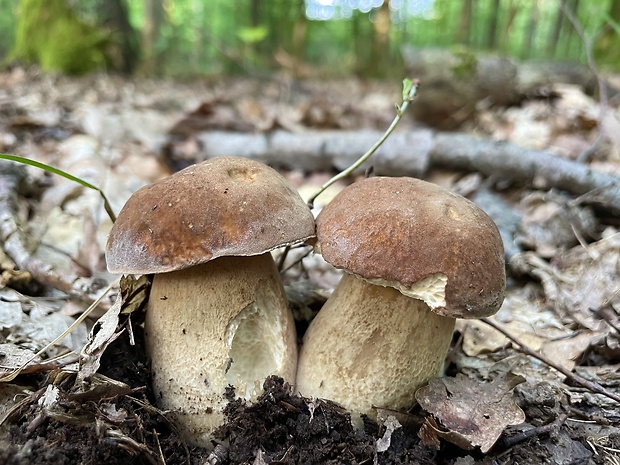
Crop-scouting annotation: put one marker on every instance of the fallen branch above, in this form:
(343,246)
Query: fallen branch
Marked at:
(518,165)
(413,153)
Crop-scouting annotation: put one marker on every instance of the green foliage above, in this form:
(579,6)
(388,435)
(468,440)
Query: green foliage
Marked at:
(7,25)
(252,35)
(219,36)
(50,34)
(607,46)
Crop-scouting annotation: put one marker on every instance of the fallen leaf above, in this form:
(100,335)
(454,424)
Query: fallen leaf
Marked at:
(102,334)
(470,412)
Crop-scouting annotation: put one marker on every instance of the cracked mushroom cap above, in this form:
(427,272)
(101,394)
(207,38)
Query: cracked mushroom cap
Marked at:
(224,206)
(425,241)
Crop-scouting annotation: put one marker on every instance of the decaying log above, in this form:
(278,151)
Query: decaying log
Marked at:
(413,153)
(455,80)
(15,242)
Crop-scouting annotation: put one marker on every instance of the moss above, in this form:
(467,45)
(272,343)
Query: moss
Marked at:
(467,65)
(50,34)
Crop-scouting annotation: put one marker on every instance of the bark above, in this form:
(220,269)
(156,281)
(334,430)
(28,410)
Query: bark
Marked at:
(413,153)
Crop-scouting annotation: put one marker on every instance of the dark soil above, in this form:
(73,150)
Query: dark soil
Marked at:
(112,428)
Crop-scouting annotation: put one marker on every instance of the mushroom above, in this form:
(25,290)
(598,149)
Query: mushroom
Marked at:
(217,314)
(416,257)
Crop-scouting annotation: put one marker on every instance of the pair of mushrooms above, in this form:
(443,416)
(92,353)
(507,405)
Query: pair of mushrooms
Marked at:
(416,257)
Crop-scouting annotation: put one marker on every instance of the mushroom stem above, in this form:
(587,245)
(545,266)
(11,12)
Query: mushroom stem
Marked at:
(225,322)
(371,346)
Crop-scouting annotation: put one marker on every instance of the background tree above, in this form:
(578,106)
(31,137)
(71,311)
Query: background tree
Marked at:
(153,19)
(51,34)
(330,36)
(124,47)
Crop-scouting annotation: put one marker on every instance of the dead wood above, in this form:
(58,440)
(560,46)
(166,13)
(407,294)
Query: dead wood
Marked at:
(455,81)
(413,153)
(15,242)
(520,166)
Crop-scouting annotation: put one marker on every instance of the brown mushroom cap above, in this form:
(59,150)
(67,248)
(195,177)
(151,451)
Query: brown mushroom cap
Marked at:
(221,207)
(398,231)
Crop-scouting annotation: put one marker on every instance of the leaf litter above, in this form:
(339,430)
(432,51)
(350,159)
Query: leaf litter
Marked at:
(562,301)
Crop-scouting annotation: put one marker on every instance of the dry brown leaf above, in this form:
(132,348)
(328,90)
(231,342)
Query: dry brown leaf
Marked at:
(552,223)
(581,281)
(470,412)
(102,334)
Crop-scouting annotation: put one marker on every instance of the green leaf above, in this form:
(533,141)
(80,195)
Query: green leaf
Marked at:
(407,86)
(252,35)
(64,174)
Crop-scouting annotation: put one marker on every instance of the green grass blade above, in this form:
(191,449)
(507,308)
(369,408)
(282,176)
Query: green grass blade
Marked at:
(64,174)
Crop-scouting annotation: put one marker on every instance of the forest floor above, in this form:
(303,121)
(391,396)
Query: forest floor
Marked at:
(536,383)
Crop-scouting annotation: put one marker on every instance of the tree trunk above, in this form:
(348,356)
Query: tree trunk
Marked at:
(153,18)
(463,33)
(359,42)
(572,5)
(530,32)
(300,33)
(494,19)
(381,27)
(124,48)
(554,37)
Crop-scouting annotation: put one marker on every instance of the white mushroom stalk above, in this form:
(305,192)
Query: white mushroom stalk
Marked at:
(225,322)
(354,351)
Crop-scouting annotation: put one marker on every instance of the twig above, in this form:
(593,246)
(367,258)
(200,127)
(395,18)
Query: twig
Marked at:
(161,453)
(591,385)
(410,88)
(535,432)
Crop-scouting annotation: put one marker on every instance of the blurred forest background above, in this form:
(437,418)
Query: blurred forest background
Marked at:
(306,37)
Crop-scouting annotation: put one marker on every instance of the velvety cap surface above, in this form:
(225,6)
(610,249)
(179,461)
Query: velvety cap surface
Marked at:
(401,230)
(221,207)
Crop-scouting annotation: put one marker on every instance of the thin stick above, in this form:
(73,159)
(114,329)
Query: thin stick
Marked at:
(535,432)
(591,385)
(409,90)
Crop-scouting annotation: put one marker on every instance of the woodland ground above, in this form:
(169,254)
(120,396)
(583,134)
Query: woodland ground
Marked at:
(562,303)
